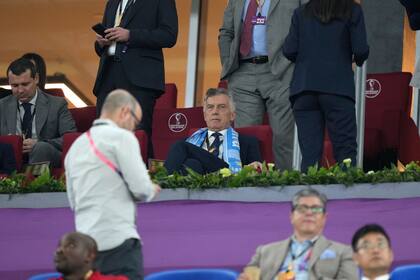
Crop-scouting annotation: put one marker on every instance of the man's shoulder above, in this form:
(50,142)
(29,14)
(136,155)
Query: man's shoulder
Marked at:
(274,245)
(53,99)
(7,99)
(335,245)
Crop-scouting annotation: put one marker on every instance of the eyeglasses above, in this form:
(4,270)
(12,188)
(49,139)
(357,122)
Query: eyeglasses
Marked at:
(137,120)
(368,246)
(302,209)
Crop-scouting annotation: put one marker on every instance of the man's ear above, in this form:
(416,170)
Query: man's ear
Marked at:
(232,116)
(36,78)
(355,258)
(91,256)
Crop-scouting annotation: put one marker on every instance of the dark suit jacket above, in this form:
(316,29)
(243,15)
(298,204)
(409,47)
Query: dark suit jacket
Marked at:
(153,25)
(7,159)
(413,12)
(250,149)
(182,151)
(323,52)
(52,118)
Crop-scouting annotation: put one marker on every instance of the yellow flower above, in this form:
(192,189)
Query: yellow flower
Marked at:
(347,162)
(225,172)
(270,166)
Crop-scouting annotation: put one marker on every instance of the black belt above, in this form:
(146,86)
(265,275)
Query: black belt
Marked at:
(255,60)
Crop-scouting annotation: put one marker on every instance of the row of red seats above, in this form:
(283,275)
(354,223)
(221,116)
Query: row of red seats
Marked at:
(388,125)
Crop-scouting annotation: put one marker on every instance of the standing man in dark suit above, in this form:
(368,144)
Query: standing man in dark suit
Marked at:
(218,145)
(40,118)
(325,38)
(258,75)
(131,51)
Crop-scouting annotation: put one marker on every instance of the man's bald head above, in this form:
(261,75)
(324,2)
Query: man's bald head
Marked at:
(122,108)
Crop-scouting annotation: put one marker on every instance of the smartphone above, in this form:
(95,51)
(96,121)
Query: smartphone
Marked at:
(99,28)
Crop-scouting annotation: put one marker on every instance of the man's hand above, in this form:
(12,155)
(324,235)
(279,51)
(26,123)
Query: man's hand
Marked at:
(102,41)
(28,145)
(243,276)
(157,189)
(256,165)
(117,34)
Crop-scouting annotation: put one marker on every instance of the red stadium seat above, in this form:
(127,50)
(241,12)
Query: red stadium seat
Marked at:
(55,92)
(170,125)
(168,99)
(390,134)
(265,138)
(16,141)
(83,117)
(141,136)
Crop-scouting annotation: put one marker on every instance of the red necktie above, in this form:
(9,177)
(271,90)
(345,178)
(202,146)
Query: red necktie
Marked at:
(246,36)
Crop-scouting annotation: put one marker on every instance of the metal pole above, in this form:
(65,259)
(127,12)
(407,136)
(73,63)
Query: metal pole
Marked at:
(360,111)
(416,91)
(193,36)
(297,156)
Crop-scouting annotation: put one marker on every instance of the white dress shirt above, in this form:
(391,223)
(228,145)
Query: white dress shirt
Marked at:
(382,277)
(21,113)
(104,206)
(211,140)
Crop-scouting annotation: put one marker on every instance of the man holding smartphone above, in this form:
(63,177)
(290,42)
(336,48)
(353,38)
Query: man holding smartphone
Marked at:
(131,51)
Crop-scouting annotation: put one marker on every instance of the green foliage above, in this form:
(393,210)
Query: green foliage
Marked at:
(337,174)
(20,183)
(247,177)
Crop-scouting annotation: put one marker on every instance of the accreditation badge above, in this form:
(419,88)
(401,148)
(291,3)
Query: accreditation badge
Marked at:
(259,20)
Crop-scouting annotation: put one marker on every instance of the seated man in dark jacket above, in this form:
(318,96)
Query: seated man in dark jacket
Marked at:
(218,145)
(7,159)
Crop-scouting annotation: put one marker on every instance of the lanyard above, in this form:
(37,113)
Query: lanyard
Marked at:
(120,12)
(260,4)
(104,159)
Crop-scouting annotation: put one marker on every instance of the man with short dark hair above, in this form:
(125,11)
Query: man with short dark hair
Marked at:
(105,176)
(372,252)
(307,254)
(74,258)
(216,146)
(41,119)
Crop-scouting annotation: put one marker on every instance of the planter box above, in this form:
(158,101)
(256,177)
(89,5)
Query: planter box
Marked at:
(246,194)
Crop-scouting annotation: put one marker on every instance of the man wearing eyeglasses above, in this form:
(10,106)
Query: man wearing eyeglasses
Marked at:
(307,254)
(372,252)
(105,176)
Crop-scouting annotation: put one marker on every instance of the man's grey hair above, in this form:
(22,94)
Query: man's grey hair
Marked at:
(219,91)
(309,193)
(119,98)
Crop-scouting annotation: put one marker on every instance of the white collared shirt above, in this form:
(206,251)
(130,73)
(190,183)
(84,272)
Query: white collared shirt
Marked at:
(104,206)
(211,140)
(21,113)
(382,277)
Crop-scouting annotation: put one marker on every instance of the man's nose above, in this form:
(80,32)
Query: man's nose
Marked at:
(20,89)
